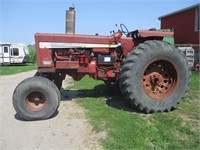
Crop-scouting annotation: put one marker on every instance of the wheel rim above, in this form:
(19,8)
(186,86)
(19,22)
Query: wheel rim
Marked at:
(159,79)
(35,101)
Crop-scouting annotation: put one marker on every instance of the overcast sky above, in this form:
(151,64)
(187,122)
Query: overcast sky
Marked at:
(21,19)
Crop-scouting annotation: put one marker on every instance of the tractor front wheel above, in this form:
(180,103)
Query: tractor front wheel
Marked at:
(36,98)
(154,77)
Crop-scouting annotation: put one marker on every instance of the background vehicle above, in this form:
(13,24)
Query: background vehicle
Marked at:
(13,53)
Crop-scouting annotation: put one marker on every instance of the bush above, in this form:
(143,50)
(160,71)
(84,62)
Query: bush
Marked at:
(32,54)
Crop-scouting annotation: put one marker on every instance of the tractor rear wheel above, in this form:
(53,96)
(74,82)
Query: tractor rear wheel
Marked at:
(154,77)
(36,98)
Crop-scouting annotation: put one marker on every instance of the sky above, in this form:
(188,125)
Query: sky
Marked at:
(21,19)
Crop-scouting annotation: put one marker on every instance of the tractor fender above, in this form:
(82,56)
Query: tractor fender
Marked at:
(149,33)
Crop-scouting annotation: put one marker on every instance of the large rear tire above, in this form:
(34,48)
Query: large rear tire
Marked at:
(154,77)
(36,98)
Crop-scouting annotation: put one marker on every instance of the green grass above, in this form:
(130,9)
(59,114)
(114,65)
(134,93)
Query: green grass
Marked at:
(125,128)
(8,70)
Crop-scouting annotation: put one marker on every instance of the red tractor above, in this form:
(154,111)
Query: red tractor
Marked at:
(152,74)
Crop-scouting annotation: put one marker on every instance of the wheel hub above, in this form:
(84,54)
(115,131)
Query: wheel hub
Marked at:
(154,78)
(159,79)
(35,101)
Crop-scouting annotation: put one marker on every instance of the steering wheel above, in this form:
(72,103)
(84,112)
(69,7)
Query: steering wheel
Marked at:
(124,30)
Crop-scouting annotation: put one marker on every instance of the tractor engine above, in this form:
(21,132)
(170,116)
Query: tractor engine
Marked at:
(98,63)
(99,57)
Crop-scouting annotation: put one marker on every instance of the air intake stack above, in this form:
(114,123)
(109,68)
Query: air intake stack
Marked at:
(70,21)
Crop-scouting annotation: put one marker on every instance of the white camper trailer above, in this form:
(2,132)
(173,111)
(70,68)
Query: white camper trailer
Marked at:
(13,53)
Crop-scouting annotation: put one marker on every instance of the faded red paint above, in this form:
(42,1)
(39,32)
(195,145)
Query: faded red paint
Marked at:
(183,24)
(87,60)
(144,33)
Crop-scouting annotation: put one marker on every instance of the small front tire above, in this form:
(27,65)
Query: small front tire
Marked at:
(36,98)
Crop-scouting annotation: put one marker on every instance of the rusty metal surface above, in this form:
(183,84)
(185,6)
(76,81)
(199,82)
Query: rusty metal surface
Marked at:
(74,38)
(75,51)
(159,79)
(70,21)
(35,101)
(147,33)
(67,64)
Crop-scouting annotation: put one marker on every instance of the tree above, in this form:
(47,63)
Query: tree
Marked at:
(32,53)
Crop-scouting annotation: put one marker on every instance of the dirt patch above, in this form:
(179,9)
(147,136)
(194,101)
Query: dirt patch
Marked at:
(68,129)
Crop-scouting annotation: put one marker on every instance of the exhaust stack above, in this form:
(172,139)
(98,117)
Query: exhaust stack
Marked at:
(70,21)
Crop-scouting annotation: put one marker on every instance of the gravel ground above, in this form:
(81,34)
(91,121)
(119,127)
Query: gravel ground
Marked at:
(69,129)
